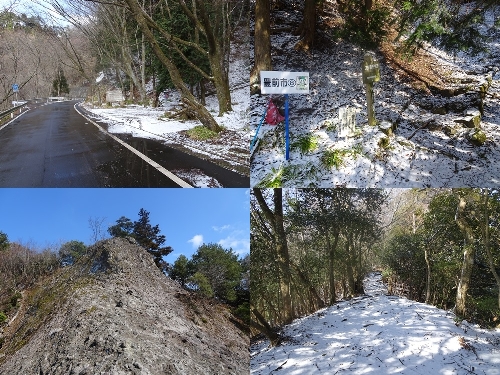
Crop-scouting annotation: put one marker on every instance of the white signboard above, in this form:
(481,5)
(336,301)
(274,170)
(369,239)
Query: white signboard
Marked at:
(284,82)
(114,96)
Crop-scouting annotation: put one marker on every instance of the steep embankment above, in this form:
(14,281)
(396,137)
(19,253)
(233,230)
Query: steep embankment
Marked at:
(380,334)
(115,312)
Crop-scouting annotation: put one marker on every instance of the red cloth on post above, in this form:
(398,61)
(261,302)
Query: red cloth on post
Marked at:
(273,116)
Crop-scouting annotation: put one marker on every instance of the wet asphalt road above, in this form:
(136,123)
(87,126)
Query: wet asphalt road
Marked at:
(53,146)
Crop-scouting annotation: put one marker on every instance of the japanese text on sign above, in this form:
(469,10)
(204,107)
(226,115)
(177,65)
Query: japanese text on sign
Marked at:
(371,69)
(284,82)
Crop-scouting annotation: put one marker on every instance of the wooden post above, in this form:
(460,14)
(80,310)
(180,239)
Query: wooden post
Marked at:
(371,74)
(370,104)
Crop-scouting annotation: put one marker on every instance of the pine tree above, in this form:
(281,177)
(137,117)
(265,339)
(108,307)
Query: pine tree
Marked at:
(123,228)
(181,270)
(4,241)
(149,237)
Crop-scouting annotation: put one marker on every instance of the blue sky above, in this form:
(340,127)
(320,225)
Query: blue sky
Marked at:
(35,7)
(187,217)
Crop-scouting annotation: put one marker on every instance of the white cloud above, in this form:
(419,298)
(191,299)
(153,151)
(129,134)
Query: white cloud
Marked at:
(236,242)
(197,240)
(221,229)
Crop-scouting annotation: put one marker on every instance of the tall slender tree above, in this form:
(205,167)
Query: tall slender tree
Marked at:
(149,237)
(274,219)
(262,41)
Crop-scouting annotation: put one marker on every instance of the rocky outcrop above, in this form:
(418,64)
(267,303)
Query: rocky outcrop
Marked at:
(114,312)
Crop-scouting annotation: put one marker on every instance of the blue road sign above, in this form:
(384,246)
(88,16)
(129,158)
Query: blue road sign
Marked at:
(15,87)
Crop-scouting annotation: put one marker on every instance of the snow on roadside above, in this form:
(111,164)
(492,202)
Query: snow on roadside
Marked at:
(229,151)
(380,334)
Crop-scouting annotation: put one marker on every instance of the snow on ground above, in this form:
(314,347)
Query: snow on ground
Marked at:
(438,155)
(229,150)
(380,334)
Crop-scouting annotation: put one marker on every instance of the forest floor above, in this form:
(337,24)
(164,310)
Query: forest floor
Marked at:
(430,147)
(380,334)
(229,149)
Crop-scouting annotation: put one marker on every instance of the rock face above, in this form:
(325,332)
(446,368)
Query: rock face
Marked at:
(114,312)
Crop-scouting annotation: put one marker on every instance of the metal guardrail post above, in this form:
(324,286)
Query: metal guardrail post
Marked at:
(12,110)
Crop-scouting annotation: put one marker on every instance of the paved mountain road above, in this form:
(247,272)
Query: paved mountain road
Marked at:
(53,146)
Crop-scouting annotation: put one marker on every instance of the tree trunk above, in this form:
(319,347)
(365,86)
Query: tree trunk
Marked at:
(143,68)
(468,261)
(263,326)
(283,256)
(331,258)
(221,81)
(428,279)
(317,301)
(202,92)
(196,109)
(358,285)
(281,247)
(307,28)
(485,229)
(218,38)
(262,41)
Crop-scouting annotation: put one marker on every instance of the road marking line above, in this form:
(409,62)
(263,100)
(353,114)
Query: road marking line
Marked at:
(151,162)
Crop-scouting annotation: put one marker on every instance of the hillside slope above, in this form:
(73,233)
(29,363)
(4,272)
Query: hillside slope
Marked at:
(380,334)
(434,143)
(114,312)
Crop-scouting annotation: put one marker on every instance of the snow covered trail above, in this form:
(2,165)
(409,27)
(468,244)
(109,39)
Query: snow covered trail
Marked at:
(380,334)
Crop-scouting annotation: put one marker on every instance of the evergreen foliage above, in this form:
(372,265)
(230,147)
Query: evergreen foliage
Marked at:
(177,23)
(4,241)
(60,84)
(123,228)
(146,235)
(70,251)
(448,24)
(202,284)
(322,255)
(181,270)
(149,237)
(435,233)
(365,27)
(220,267)
(217,272)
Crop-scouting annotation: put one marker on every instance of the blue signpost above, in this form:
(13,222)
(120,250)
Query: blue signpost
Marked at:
(15,87)
(284,83)
(287,134)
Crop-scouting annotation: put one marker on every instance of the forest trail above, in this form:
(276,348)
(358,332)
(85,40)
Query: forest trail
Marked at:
(380,334)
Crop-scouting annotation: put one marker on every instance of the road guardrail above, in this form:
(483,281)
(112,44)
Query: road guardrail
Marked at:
(13,109)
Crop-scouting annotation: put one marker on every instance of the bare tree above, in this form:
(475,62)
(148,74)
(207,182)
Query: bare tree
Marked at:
(96,225)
